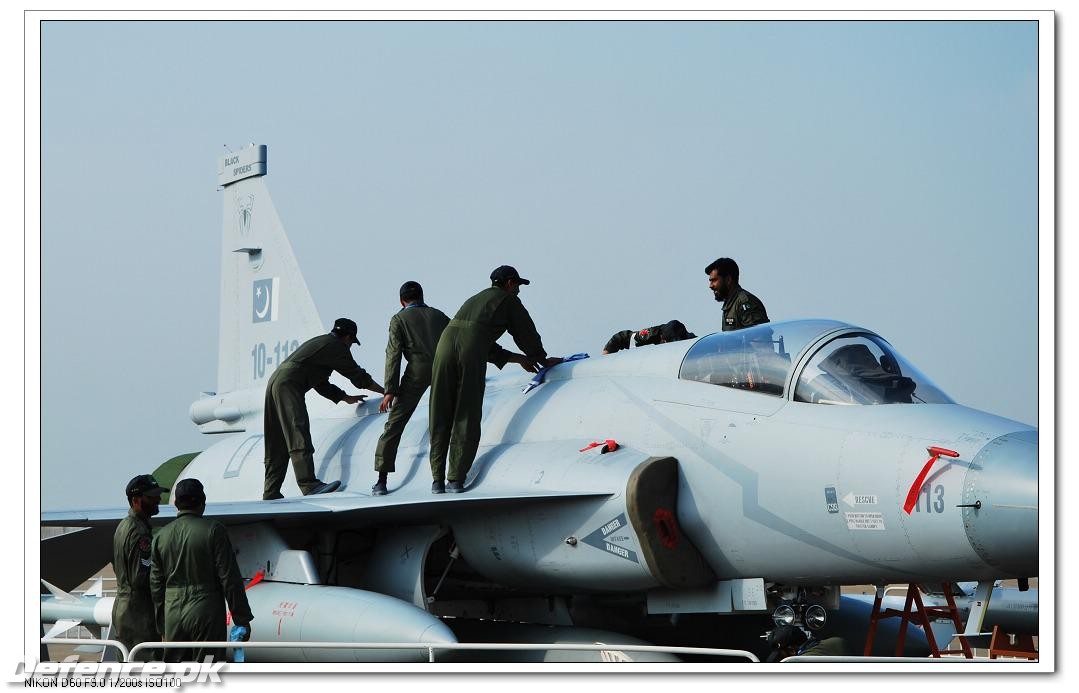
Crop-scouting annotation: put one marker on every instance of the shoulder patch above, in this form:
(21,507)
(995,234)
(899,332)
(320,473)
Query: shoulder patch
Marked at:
(729,321)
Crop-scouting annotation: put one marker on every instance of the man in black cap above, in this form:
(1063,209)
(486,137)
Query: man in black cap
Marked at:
(673,331)
(460,369)
(133,610)
(194,573)
(414,333)
(286,424)
(741,309)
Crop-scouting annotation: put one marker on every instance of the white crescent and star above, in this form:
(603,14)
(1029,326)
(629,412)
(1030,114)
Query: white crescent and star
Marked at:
(265,305)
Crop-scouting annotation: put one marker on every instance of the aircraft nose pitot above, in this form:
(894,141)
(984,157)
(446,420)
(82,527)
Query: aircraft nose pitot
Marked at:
(1000,493)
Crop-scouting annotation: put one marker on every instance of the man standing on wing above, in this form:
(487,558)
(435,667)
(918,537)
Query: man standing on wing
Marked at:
(460,370)
(286,424)
(414,333)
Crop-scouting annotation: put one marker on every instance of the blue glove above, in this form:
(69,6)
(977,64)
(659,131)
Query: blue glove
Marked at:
(240,634)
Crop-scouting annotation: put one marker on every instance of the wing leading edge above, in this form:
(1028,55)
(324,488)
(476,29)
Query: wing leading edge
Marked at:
(337,507)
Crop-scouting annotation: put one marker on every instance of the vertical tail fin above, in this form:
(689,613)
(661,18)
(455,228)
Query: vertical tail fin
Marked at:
(266,309)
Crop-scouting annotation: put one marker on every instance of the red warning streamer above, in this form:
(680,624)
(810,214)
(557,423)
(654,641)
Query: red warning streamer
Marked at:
(254,581)
(915,488)
(610,444)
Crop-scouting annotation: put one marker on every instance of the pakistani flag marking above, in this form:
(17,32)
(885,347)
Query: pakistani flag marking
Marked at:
(264,299)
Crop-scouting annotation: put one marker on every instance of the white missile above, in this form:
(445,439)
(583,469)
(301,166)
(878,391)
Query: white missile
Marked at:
(66,611)
(321,613)
(286,612)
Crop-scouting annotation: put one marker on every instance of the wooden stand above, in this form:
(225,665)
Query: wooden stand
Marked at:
(921,616)
(1000,646)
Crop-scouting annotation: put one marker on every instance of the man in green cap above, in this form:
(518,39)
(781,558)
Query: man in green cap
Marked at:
(460,370)
(414,333)
(133,610)
(286,425)
(194,574)
(741,309)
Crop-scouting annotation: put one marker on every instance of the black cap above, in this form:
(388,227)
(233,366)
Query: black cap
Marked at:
(189,488)
(344,326)
(144,485)
(673,331)
(505,272)
(411,290)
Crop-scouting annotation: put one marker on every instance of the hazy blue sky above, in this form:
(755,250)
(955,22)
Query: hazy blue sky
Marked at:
(882,173)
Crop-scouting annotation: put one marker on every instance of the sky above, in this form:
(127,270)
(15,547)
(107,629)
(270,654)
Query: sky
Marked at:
(882,173)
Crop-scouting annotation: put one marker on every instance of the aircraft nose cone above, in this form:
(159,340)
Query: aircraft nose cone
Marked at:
(1003,479)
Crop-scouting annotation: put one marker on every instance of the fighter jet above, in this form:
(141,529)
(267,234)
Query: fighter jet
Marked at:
(658,493)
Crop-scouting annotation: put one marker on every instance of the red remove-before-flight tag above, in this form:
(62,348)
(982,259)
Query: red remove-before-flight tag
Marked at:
(610,445)
(254,581)
(912,495)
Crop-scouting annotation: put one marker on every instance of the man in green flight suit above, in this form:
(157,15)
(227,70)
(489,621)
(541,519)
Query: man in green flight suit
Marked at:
(414,333)
(741,309)
(673,331)
(194,573)
(286,425)
(460,370)
(133,610)
(791,641)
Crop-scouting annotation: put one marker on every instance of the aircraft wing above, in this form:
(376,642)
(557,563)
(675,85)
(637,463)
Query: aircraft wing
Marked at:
(341,505)
(68,559)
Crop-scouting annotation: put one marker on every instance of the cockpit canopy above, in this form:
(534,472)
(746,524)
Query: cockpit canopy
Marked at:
(864,369)
(855,367)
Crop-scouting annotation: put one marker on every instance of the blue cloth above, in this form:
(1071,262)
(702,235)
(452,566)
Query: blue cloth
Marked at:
(537,379)
(417,304)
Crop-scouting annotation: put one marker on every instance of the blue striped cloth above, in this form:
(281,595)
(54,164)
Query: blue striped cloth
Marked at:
(537,379)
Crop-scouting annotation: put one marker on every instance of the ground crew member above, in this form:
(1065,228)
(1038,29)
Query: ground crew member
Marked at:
(741,309)
(285,421)
(133,610)
(790,641)
(414,333)
(460,369)
(194,573)
(673,331)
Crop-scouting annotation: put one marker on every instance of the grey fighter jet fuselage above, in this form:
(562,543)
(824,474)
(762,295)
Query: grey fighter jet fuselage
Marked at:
(766,486)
